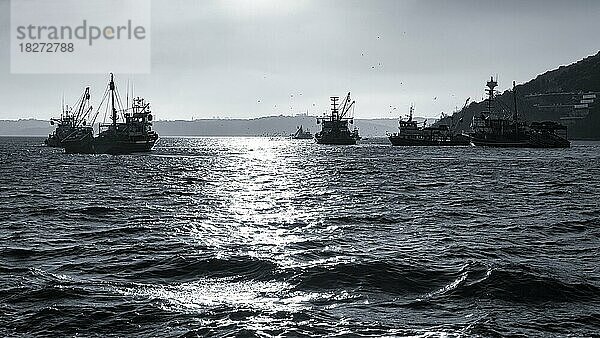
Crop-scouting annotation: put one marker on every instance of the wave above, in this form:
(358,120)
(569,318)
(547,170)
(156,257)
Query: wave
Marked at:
(106,232)
(553,192)
(45,211)
(180,268)
(42,253)
(575,225)
(14,252)
(369,219)
(96,210)
(387,276)
(88,210)
(432,184)
(474,280)
(523,285)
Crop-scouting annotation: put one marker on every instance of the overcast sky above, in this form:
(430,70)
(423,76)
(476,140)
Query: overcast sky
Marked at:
(243,59)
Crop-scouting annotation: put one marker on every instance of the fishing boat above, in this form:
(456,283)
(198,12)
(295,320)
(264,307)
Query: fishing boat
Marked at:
(493,129)
(335,126)
(71,122)
(129,130)
(302,134)
(411,134)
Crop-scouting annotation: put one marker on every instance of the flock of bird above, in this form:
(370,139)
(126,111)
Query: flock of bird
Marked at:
(363,53)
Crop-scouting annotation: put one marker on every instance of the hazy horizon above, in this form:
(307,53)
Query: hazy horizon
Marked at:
(226,59)
(433,118)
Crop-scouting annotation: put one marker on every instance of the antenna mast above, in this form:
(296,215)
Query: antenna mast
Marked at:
(490,91)
(334,109)
(127,95)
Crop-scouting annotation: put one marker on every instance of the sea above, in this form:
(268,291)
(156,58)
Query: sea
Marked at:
(262,237)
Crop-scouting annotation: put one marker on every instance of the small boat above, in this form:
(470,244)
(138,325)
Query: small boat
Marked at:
(71,122)
(411,134)
(133,135)
(491,129)
(335,127)
(302,134)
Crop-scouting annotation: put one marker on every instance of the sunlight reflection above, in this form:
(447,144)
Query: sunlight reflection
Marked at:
(258,203)
(210,293)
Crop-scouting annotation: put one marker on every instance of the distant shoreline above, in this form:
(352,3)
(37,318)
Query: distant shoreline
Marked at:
(265,126)
(238,118)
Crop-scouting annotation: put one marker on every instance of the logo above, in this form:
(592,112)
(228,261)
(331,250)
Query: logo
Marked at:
(91,36)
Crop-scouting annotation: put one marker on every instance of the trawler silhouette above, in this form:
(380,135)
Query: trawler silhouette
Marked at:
(491,129)
(133,135)
(334,127)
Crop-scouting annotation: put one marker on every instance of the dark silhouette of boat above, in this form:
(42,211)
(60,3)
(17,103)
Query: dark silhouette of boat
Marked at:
(302,134)
(411,134)
(133,135)
(71,122)
(492,129)
(335,127)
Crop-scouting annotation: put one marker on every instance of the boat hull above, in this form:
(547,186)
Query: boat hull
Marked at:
(407,142)
(53,142)
(113,149)
(336,141)
(533,141)
(108,146)
(496,144)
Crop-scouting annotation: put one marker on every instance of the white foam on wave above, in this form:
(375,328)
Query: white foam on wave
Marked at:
(211,293)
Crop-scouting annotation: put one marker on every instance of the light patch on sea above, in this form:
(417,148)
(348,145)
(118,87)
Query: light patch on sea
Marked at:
(210,293)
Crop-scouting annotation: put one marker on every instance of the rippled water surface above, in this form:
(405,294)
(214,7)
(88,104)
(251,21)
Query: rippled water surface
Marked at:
(261,237)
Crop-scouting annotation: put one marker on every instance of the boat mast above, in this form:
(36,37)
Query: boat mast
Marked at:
(515,115)
(112,96)
(84,98)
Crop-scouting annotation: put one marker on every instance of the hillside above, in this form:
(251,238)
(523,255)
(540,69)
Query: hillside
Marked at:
(563,94)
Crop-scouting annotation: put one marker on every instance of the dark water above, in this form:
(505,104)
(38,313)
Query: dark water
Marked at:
(261,237)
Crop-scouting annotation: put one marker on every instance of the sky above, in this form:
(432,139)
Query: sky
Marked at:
(246,59)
